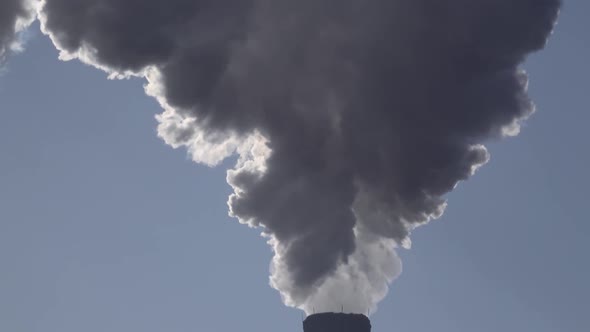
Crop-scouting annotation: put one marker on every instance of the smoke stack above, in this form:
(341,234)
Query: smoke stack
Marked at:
(336,322)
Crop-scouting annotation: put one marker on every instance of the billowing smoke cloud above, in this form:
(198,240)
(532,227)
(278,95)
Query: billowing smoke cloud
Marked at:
(15,15)
(352,118)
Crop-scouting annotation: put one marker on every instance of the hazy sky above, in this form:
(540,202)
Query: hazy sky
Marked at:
(105,228)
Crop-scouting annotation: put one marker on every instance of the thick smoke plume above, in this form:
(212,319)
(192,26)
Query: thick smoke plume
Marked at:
(352,118)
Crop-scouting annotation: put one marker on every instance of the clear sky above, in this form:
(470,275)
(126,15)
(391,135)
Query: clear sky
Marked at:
(105,228)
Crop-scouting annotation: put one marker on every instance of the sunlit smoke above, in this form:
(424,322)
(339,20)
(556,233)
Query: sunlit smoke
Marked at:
(351,118)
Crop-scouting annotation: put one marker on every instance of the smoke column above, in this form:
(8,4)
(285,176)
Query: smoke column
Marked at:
(351,118)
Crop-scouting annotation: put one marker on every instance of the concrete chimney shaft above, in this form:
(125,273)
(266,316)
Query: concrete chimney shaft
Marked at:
(336,322)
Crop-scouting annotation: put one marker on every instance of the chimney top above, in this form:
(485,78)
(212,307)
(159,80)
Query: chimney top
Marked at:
(336,322)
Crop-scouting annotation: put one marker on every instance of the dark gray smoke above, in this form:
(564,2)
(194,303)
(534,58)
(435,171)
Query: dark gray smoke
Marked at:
(352,118)
(15,15)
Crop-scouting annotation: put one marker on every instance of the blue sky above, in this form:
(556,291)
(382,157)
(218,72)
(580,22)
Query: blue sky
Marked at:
(105,228)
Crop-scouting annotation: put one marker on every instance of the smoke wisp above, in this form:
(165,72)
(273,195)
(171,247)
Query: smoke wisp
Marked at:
(351,118)
(15,15)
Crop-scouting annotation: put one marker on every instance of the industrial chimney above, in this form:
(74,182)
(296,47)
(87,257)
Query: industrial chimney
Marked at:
(336,322)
